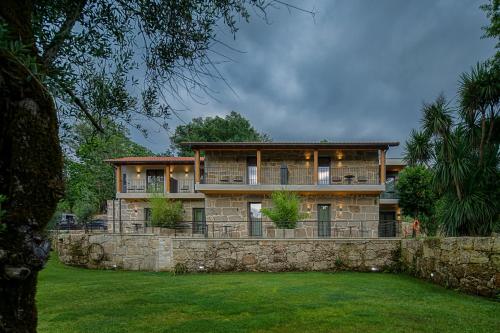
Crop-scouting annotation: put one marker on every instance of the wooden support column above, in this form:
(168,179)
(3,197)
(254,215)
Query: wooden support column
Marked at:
(118,172)
(258,166)
(167,179)
(315,167)
(196,166)
(382,166)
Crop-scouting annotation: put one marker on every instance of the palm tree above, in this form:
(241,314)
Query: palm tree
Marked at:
(418,149)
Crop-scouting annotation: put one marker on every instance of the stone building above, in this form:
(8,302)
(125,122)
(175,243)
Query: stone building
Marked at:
(346,189)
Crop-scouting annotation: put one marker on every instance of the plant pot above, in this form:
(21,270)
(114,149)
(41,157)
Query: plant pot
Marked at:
(285,233)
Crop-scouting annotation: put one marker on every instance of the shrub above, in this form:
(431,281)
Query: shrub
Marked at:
(286,210)
(165,212)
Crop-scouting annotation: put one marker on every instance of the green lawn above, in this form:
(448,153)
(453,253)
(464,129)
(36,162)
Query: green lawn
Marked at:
(79,300)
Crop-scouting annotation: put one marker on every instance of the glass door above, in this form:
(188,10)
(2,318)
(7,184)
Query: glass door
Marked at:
(255,219)
(324,170)
(324,221)
(154,181)
(252,170)
(199,223)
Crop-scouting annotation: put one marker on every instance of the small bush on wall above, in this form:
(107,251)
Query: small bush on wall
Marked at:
(285,212)
(165,212)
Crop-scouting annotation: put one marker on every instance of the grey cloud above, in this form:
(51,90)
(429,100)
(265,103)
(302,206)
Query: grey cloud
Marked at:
(360,70)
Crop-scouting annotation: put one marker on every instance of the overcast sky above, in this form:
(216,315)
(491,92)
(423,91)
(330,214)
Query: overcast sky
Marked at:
(359,71)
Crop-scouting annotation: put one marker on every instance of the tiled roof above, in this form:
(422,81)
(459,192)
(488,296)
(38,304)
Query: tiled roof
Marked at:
(152,160)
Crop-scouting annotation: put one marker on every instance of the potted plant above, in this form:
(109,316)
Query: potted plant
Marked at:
(285,212)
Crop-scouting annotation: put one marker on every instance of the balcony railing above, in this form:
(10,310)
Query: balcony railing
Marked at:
(183,185)
(292,175)
(263,229)
(390,190)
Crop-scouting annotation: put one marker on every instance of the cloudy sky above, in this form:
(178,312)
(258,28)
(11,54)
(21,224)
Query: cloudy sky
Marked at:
(359,70)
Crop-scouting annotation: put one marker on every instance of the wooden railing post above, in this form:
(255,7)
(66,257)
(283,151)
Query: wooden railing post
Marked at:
(118,177)
(197,166)
(315,167)
(258,166)
(167,179)
(382,166)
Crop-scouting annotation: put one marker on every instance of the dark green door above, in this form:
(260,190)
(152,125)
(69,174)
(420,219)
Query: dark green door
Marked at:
(324,223)
(199,224)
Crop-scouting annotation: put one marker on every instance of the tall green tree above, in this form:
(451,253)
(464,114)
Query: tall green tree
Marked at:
(466,157)
(89,180)
(417,197)
(61,59)
(232,128)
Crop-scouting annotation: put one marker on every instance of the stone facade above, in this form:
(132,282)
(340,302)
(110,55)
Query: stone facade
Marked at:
(470,264)
(359,212)
(132,213)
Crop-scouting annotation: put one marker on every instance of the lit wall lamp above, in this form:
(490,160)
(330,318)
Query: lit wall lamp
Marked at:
(138,171)
(309,208)
(340,155)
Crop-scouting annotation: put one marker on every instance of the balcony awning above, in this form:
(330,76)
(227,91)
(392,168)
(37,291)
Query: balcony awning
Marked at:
(290,145)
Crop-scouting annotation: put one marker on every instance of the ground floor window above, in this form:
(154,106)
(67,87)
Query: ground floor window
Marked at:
(255,219)
(199,222)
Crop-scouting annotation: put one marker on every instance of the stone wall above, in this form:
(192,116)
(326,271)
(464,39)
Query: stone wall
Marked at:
(232,210)
(158,253)
(115,251)
(285,255)
(470,264)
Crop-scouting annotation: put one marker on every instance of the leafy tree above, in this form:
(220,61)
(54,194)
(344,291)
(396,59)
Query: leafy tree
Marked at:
(285,212)
(416,196)
(465,154)
(232,128)
(165,212)
(89,180)
(61,59)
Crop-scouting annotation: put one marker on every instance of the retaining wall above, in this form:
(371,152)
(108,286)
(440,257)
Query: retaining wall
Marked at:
(468,264)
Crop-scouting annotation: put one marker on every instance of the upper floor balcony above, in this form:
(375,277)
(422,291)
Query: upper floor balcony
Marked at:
(145,177)
(301,167)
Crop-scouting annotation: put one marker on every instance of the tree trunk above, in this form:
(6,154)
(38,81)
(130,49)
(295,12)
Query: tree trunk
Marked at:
(31,179)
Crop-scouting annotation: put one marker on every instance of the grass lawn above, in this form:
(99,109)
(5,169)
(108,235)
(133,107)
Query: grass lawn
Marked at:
(79,300)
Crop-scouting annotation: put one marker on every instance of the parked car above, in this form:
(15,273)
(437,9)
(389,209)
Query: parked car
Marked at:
(68,222)
(97,224)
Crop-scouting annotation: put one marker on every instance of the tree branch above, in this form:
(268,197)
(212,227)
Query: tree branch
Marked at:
(83,108)
(55,44)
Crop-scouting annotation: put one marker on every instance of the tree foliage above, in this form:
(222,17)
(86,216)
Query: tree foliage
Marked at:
(232,128)
(165,212)
(285,212)
(89,180)
(463,153)
(417,197)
